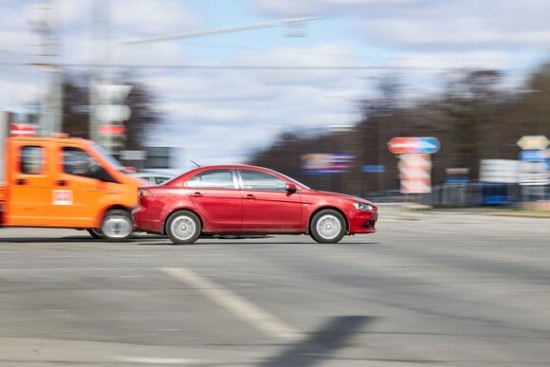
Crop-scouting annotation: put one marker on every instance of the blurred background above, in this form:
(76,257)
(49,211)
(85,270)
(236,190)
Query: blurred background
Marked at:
(316,89)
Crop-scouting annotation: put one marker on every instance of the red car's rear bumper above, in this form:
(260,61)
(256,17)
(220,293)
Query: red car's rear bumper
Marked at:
(142,221)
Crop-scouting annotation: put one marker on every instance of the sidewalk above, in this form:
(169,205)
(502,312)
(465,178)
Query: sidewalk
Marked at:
(413,211)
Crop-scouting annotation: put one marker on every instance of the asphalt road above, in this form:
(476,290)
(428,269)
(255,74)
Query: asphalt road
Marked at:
(446,289)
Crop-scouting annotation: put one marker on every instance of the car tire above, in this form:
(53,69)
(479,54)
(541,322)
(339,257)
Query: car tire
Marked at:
(96,233)
(183,227)
(117,225)
(328,226)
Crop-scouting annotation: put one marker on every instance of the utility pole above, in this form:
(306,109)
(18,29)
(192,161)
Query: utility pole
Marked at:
(101,52)
(52,110)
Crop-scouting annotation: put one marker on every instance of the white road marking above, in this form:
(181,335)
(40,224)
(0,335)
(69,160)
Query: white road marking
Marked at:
(94,257)
(262,320)
(130,276)
(168,329)
(153,360)
(69,269)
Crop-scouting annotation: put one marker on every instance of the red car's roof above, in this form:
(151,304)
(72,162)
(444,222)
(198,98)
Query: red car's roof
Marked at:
(240,166)
(231,166)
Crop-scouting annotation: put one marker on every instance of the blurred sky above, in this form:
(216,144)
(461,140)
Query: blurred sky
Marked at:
(244,88)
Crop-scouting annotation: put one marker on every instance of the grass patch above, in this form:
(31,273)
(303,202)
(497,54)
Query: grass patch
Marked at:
(525,213)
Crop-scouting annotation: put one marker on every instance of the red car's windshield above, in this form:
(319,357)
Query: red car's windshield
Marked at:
(295,181)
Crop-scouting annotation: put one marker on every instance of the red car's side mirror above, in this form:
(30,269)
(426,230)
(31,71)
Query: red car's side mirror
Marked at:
(291,188)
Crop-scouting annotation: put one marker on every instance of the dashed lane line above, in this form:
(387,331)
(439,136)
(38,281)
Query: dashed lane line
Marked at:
(256,317)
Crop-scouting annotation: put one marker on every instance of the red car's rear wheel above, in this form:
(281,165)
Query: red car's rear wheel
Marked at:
(183,227)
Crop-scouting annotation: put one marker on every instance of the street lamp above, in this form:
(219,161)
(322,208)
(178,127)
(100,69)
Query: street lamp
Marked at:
(211,32)
(101,34)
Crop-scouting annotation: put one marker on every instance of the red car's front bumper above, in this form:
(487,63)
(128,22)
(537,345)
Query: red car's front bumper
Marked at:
(362,221)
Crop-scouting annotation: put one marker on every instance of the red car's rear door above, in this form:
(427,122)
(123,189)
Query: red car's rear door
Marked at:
(267,206)
(217,198)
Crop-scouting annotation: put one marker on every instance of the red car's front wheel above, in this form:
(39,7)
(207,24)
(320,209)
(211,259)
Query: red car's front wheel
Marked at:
(328,226)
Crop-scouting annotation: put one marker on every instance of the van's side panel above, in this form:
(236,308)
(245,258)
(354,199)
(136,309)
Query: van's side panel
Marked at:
(83,194)
(46,187)
(28,184)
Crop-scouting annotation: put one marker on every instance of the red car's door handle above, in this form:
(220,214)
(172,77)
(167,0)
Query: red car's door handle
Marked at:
(196,194)
(250,196)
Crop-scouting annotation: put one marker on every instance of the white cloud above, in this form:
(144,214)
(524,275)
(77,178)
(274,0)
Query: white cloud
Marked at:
(412,24)
(220,114)
(320,6)
(212,144)
(451,60)
(316,64)
(464,24)
(200,112)
(149,18)
(20,93)
(125,17)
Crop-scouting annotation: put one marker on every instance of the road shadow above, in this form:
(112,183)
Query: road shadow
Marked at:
(79,239)
(48,239)
(252,242)
(335,334)
(160,240)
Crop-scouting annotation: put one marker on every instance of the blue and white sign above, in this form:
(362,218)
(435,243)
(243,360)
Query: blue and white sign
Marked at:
(413,145)
(533,174)
(428,145)
(373,168)
(532,155)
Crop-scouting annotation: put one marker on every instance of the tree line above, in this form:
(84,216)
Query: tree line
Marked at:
(475,117)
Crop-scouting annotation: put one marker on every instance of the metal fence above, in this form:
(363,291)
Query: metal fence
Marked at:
(470,194)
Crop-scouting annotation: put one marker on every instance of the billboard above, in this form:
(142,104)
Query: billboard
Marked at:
(499,171)
(326,163)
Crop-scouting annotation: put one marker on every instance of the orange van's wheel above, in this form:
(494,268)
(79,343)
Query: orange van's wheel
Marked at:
(117,225)
(96,233)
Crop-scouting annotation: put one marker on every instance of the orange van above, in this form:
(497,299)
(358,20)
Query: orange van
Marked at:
(66,183)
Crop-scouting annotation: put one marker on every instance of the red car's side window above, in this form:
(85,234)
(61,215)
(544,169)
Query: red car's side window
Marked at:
(218,179)
(254,180)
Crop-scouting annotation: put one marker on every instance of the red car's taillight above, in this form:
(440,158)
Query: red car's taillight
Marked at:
(143,194)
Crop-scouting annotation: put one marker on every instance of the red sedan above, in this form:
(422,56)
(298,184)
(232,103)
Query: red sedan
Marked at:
(241,199)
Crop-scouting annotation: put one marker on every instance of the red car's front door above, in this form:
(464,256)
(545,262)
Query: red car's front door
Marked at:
(217,199)
(267,206)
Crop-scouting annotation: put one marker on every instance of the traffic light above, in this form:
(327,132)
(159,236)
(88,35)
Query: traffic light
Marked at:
(112,137)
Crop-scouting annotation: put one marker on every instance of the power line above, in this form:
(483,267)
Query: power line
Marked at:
(264,67)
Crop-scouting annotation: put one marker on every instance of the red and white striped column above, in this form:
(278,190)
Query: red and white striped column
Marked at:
(415,171)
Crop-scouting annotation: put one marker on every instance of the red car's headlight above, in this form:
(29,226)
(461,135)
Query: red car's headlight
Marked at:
(363,206)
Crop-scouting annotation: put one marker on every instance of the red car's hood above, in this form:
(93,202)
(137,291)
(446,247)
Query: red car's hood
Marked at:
(343,196)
